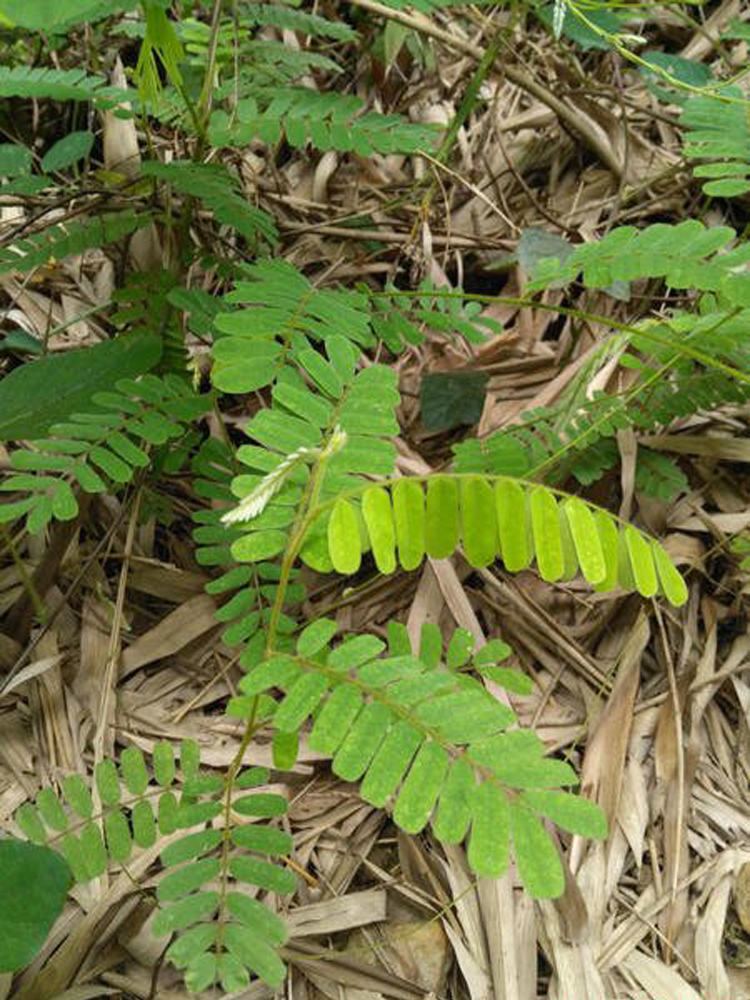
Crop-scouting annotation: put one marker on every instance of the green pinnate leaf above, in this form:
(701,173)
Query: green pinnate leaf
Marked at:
(259,545)
(586,538)
(390,763)
(409,520)
(399,643)
(321,372)
(129,452)
(181,882)
(545,523)
(455,806)
(114,467)
(252,950)
(300,702)
(51,810)
(144,824)
(355,651)
(72,851)
(64,503)
(263,804)
(478,522)
(538,861)
(263,839)
(466,715)
(196,940)
(263,922)
(316,636)
(441,518)
(67,151)
(515,544)
(169,812)
(265,875)
(490,828)
(378,516)
(430,644)
(285,749)
(40,515)
(233,976)
(336,716)
(641,562)
(189,758)
(507,678)
(460,648)
(277,671)
(344,542)
(609,542)
(201,971)
(492,652)
(30,823)
(363,739)
(119,840)
(571,812)
(164,764)
(185,913)
(134,773)
(88,480)
(671,581)
(202,784)
(421,788)
(193,813)
(94,850)
(192,845)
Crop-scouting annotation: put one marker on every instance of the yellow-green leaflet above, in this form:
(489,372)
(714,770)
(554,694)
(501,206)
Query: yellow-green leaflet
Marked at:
(545,522)
(408,513)
(478,517)
(570,557)
(586,540)
(344,543)
(641,562)
(441,534)
(609,539)
(510,504)
(376,510)
(671,580)
(489,840)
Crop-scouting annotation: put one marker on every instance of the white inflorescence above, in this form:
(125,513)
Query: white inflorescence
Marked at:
(256,501)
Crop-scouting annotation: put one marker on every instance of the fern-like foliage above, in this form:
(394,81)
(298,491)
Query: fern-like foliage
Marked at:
(60,85)
(264,61)
(221,933)
(326,121)
(246,592)
(686,362)
(426,736)
(494,518)
(578,437)
(287,15)
(397,320)
(685,256)
(718,133)
(212,184)
(64,239)
(284,313)
(96,450)
(144,303)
